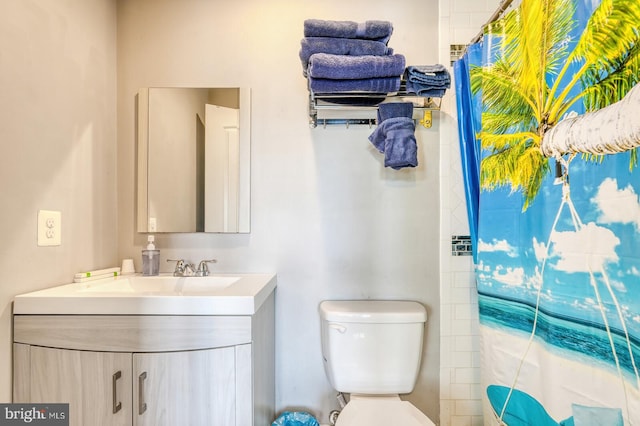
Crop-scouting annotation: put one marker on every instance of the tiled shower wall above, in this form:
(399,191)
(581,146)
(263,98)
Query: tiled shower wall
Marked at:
(460,392)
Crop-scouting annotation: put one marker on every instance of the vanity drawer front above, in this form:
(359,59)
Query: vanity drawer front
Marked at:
(132,333)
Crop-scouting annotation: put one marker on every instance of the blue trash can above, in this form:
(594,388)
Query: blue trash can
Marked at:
(295,418)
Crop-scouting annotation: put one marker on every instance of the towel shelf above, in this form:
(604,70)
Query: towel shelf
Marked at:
(357,108)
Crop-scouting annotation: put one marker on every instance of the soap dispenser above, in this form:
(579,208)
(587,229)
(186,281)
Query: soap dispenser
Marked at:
(150,258)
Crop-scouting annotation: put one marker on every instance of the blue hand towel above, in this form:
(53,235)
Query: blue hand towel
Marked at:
(388,110)
(340,67)
(368,85)
(369,30)
(379,136)
(340,46)
(395,137)
(401,148)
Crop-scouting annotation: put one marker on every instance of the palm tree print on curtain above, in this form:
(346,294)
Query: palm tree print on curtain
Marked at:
(536,79)
(558,260)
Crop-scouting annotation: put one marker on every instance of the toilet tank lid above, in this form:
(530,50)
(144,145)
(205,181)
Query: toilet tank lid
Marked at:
(373,311)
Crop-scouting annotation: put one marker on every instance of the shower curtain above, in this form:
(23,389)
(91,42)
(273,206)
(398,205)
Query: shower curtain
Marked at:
(557,243)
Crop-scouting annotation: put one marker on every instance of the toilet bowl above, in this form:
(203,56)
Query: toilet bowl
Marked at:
(372,410)
(372,350)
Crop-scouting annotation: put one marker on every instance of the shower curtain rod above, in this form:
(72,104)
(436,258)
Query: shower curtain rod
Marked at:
(501,9)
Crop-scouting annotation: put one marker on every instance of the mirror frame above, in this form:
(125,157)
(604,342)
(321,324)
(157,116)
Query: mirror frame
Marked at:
(142,163)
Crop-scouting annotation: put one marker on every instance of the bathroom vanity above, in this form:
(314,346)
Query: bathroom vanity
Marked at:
(150,350)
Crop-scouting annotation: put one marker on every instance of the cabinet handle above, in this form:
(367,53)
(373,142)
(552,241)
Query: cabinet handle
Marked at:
(117,405)
(142,406)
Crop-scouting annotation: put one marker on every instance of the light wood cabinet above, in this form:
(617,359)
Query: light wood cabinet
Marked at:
(149,371)
(89,381)
(190,388)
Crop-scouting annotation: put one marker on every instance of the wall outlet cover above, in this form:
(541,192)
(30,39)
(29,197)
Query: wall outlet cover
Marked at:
(49,228)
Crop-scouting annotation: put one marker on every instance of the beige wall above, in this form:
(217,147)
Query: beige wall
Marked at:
(58,144)
(326,215)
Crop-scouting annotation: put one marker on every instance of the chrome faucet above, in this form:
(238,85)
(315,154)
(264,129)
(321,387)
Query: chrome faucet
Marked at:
(187,269)
(203,269)
(183,268)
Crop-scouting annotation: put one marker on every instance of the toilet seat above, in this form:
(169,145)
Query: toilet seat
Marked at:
(381,411)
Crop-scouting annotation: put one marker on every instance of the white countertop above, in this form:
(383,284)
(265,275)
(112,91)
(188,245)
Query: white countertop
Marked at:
(219,294)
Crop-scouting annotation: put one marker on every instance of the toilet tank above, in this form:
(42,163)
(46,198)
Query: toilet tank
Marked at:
(372,346)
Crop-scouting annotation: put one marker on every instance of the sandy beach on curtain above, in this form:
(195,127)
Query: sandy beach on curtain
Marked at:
(554,378)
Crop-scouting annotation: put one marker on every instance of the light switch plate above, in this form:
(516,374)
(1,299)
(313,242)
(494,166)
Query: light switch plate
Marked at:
(49,228)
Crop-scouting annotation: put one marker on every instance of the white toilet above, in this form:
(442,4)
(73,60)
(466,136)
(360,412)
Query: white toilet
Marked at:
(372,350)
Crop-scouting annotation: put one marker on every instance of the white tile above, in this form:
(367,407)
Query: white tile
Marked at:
(463,343)
(460,19)
(446,410)
(467,6)
(467,375)
(447,289)
(476,359)
(461,295)
(463,35)
(461,359)
(461,263)
(460,420)
(466,279)
(445,388)
(477,420)
(461,327)
(443,8)
(468,407)
(446,321)
(465,312)
(476,392)
(461,391)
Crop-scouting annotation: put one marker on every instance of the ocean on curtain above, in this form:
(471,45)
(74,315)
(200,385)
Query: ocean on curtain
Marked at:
(557,254)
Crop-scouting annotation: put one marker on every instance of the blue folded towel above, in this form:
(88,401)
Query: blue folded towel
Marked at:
(369,30)
(340,46)
(340,67)
(428,74)
(368,85)
(427,80)
(425,91)
(427,69)
(435,80)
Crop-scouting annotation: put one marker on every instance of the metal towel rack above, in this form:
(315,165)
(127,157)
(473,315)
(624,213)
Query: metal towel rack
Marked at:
(360,108)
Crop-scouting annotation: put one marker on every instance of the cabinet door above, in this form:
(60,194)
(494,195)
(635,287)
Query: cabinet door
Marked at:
(195,388)
(96,385)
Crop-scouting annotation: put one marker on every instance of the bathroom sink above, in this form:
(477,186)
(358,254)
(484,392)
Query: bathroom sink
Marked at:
(220,294)
(162,285)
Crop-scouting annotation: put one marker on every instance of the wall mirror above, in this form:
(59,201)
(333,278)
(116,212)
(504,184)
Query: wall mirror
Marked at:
(193,171)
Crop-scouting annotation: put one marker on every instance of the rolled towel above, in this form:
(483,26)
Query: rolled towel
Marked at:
(369,30)
(368,85)
(340,67)
(340,46)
